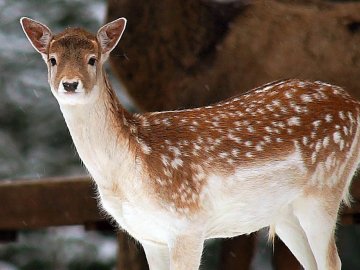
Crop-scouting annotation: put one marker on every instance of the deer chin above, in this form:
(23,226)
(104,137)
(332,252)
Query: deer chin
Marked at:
(78,97)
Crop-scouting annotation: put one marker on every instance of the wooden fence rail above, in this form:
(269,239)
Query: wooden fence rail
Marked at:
(31,204)
(38,203)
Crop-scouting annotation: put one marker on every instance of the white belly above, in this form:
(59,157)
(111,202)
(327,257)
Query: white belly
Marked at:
(242,203)
(252,198)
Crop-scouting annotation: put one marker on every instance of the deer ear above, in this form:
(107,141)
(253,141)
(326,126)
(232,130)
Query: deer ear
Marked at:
(109,35)
(38,34)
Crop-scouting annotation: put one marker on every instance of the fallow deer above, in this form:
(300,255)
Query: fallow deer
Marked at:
(280,156)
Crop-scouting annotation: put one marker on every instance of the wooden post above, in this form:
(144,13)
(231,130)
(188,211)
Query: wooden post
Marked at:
(38,203)
(283,259)
(231,258)
(130,256)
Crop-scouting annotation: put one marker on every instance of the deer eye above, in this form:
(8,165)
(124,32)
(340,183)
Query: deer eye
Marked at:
(52,61)
(92,61)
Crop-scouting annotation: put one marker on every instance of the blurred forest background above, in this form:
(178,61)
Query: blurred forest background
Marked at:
(34,140)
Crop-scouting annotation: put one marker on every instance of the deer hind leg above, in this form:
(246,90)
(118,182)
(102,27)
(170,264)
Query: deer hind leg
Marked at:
(318,223)
(290,232)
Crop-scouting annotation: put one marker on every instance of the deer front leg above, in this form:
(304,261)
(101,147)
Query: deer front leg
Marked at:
(185,252)
(157,256)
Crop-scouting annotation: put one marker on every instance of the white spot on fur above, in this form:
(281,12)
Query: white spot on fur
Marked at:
(318,146)
(165,160)
(230,161)
(144,122)
(166,122)
(223,155)
(177,162)
(269,107)
(305,140)
(313,157)
(260,110)
(167,172)
(306,98)
(167,142)
(329,161)
(267,139)
(145,148)
(268,129)
(234,138)
(196,146)
(342,144)
(175,150)
(235,152)
(259,147)
(337,137)
(161,182)
(294,121)
(133,129)
(283,109)
(250,129)
(350,115)
(276,103)
(328,118)
(248,143)
(281,124)
(326,141)
(316,123)
(300,109)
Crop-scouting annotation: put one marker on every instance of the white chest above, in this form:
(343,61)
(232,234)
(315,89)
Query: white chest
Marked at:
(141,218)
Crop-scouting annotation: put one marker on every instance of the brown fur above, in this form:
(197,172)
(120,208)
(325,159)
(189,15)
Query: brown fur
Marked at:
(241,126)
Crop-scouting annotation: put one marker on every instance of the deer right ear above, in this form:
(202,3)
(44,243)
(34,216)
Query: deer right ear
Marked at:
(38,34)
(110,34)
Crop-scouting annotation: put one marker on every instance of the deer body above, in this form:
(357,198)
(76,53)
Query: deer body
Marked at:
(282,155)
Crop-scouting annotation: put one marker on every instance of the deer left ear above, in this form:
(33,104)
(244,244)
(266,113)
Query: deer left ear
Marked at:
(38,34)
(110,34)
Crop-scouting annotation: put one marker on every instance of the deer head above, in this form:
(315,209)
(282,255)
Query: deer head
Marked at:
(74,58)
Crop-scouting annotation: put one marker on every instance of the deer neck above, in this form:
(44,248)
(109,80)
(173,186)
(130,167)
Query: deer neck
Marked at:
(101,136)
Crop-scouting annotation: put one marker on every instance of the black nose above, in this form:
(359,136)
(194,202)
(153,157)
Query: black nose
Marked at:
(70,87)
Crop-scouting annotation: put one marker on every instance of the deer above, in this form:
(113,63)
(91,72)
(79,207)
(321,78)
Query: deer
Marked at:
(281,156)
